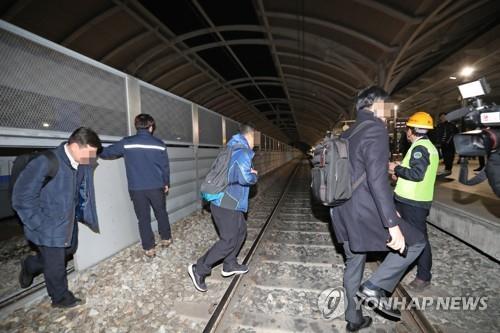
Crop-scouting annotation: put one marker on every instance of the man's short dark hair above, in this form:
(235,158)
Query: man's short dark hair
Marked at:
(442,114)
(246,128)
(85,136)
(144,121)
(368,96)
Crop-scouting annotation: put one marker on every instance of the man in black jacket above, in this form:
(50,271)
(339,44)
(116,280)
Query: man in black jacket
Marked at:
(148,176)
(368,221)
(444,137)
(49,210)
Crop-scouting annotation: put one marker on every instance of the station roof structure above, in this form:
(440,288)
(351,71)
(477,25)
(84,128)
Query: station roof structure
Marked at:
(290,67)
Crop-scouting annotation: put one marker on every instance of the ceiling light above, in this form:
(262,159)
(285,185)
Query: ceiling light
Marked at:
(453,78)
(46,125)
(467,71)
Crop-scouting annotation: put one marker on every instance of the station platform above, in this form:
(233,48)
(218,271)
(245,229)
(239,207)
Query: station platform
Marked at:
(470,213)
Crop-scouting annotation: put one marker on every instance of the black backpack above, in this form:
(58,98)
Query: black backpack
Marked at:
(216,180)
(22,161)
(331,173)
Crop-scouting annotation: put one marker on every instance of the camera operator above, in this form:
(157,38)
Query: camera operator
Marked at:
(482,142)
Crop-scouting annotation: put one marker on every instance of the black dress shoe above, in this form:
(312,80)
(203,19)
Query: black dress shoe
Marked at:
(352,327)
(379,300)
(68,302)
(25,278)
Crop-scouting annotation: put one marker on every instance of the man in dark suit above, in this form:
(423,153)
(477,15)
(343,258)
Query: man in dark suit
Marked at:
(369,222)
(49,211)
(445,132)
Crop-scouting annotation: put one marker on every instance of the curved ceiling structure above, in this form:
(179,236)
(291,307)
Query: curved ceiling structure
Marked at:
(291,67)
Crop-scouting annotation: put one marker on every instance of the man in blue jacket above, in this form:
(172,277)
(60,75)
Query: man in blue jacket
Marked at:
(148,176)
(49,210)
(228,212)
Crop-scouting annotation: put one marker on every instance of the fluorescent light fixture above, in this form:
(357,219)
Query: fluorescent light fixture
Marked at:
(46,125)
(467,71)
(453,77)
(475,88)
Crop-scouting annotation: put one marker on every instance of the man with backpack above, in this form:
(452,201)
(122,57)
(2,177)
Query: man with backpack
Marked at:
(52,192)
(228,208)
(148,177)
(368,221)
(414,190)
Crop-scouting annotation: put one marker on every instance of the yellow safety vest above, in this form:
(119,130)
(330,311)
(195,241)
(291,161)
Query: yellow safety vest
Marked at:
(424,189)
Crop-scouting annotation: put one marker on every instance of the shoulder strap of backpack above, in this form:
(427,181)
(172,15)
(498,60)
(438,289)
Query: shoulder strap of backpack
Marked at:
(356,130)
(359,181)
(53,165)
(359,127)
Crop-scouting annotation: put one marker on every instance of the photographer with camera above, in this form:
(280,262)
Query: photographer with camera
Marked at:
(483,142)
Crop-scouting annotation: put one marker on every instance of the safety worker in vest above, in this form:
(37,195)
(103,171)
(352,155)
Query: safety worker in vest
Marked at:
(414,190)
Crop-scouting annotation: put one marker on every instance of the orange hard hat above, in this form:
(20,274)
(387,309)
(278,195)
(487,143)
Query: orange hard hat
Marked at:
(420,119)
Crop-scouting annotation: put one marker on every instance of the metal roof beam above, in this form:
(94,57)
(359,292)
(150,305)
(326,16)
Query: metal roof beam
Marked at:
(324,76)
(326,64)
(15,9)
(226,46)
(124,46)
(154,66)
(285,31)
(276,59)
(89,24)
(409,42)
(177,69)
(386,9)
(158,28)
(334,26)
(428,34)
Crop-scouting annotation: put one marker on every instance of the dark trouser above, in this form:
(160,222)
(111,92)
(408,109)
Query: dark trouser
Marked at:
(387,275)
(143,201)
(51,261)
(481,162)
(418,218)
(232,228)
(448,156)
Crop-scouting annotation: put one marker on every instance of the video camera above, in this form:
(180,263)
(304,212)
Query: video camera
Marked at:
(484,140)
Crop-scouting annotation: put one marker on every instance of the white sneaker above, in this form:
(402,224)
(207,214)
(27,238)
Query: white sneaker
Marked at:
(237,269)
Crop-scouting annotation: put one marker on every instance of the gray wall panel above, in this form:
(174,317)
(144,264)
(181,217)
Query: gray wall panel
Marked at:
(232,127)
(172,115)
(117,221)
(210,127)
(40,80)
(64,94)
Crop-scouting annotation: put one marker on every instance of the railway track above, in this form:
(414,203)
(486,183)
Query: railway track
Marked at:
(292,260)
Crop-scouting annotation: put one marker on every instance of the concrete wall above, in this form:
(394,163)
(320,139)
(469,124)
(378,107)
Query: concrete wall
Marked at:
(117,220)
(482,233)
(108,100)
